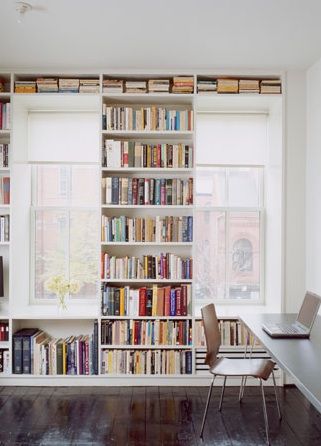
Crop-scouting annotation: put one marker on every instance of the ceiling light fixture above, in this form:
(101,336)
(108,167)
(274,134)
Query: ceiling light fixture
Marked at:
(22,8)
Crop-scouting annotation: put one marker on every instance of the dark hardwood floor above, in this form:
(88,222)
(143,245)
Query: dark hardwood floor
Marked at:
(151,416)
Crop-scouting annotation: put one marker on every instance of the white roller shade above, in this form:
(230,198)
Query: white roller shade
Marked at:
(63,137)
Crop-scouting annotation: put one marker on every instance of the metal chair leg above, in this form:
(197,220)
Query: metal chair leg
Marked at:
(276,396)
(241,389)
(222,394)
(206,407)
(265,414)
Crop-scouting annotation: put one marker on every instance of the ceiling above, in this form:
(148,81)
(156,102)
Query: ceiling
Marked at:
(149,34)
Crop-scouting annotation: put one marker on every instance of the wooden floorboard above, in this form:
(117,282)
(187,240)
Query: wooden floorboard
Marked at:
(59,416)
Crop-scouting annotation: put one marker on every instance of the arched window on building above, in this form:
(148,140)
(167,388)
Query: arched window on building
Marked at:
(242,255)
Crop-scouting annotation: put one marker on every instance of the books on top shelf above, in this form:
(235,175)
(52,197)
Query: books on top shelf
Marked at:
(249,86)
(147,301)
(135,86)
(4,331)
(4,231)
(68,85)
(206,86)
(5,115)
(143,332)
(4,155)
(183,84)
(47,85)
(158,267)
(2,85)
(25,87)
(4,190)
(158,85)
(159,229)
(271,86)
(151,118)
(227,86)
(113,86)
(146,362)
(147,191)
(4,362)
(89,86)
(118,154)
(37,353)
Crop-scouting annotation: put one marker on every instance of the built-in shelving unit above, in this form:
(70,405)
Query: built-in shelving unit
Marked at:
(74,322)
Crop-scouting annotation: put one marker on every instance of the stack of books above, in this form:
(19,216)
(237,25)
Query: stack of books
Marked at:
(249,86)
(37,353)
(147,301)
(227,85)
(206,86)
(113,86)
(4,155)
(233,333)
(183,84)
(146,362)
(136,86)
(4,190)
(5,109)
(271,86)
(4,331)
(47,85)
(4,232)
(157,267)
(153,332)
(2,83)
(68,85)
(158,85)
(25,87)
(89,86)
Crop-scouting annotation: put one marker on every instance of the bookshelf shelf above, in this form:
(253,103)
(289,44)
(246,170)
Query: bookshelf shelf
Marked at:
(4,344)
(165,281)
(177,134)
(148,318)
(143,206)
(145,347)
(147,243)
(181,170)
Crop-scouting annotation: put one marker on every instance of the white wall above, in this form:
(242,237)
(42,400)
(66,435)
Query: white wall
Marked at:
(295,214)
(313,177)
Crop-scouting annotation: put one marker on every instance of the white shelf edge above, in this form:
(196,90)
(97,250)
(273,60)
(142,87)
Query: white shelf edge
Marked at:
(146,206)
(146,243)
(145,347)
(147,318)
(147,280)
(148,169)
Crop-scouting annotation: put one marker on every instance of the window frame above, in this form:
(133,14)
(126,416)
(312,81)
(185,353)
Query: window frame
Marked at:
(260,209)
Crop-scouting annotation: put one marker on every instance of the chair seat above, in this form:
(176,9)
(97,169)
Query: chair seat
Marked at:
(258,368)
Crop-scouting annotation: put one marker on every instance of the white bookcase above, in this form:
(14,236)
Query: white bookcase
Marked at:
(15,307)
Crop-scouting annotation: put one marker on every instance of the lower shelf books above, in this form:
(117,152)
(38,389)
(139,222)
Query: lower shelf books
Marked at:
(153,332)
(4,190)
(164,266)
(4,228)
(4,362)
(4,331)
(37,353)
(233,333)
(147,301)
(146,362)
(4,150)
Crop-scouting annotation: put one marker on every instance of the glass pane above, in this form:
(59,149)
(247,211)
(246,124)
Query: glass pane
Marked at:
(84,252)
(209,255)
(66,186)
(244,187)
(244,255)
(51,249)
(210,186)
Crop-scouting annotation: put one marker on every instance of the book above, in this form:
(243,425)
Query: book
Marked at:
(227,86)
(22,352)
(270,86)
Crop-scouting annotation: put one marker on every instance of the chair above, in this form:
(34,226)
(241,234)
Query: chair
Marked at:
(257,368)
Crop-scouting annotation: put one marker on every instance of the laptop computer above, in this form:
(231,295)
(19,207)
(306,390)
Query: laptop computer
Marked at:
(301,328)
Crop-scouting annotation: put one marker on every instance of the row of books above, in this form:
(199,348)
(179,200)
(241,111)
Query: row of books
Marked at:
(233,333)
(4,190)
(2,85)
(37,353)
(146,362)
(163,266)
(147,301)
(177,84)
(4,331)
(61,85)
(232,85)
(4,229)
(151,118)
(5,115)
(159,229)
(4,362)
(147,191)
(135,154)
(4,155)
(156,332)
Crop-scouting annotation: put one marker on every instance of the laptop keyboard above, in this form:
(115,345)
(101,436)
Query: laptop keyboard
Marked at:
(287,329)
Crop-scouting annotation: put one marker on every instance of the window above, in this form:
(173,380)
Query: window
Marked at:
(65,202)
(65,228)
(229,215)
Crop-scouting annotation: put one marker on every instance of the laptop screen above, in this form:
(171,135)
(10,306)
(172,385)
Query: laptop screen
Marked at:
(309,310)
